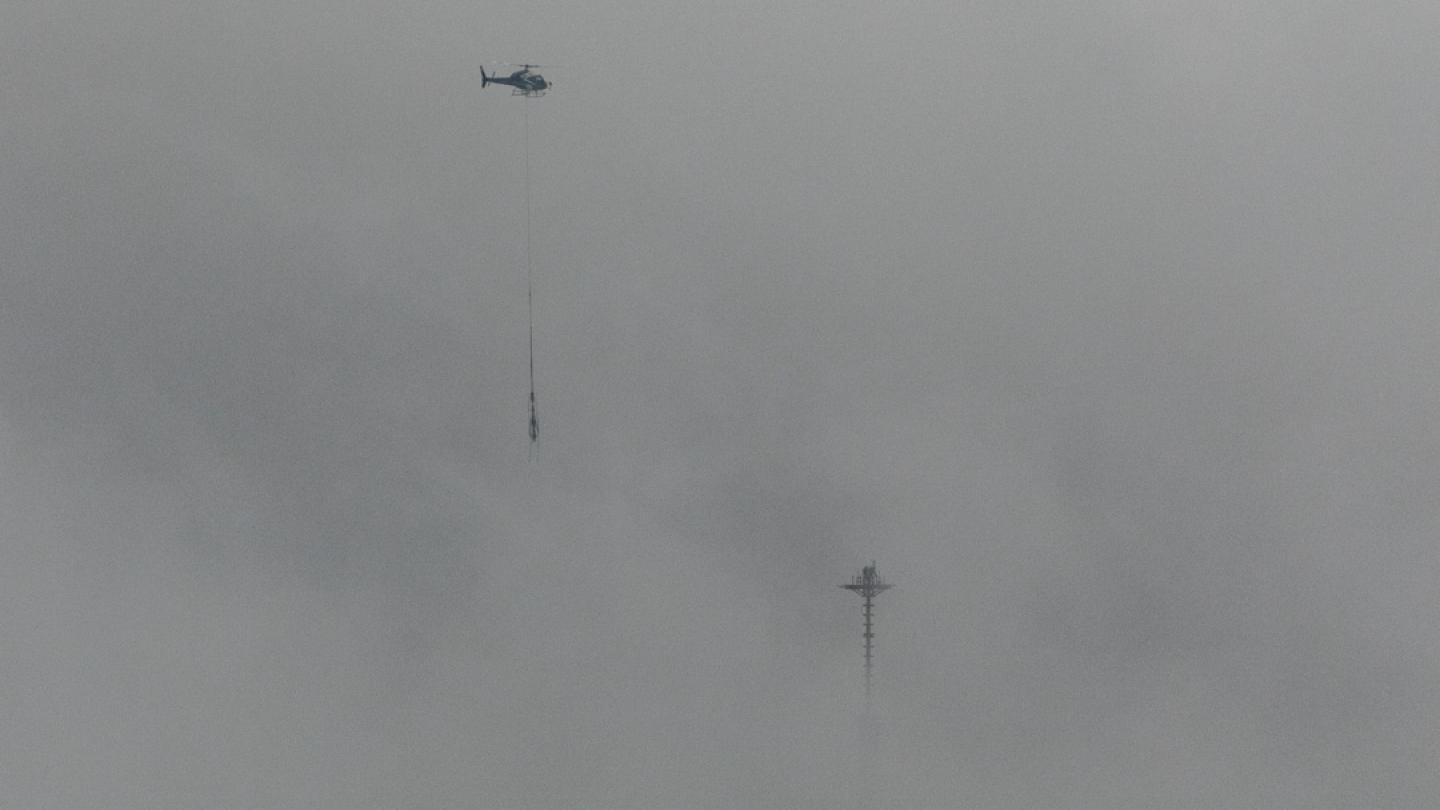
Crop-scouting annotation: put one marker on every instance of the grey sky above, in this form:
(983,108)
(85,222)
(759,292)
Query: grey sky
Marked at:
(1108,330)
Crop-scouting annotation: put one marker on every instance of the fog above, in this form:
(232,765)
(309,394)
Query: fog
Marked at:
(1107,331)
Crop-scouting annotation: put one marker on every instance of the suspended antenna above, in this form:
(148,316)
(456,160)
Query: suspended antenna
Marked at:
(530,289)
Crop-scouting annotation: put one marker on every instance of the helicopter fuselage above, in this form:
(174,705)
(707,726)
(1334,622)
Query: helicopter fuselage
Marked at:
(523,81)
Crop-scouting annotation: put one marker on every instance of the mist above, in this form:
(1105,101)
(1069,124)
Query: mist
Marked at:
(1107,332)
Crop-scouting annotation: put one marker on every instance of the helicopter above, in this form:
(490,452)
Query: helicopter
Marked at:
(522,82)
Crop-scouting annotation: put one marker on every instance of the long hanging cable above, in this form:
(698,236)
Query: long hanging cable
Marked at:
(530,283)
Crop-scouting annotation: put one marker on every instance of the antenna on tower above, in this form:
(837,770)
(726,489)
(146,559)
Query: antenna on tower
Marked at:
(869,585)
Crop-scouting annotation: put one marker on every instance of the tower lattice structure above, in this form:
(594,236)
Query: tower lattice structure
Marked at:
(869,585)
